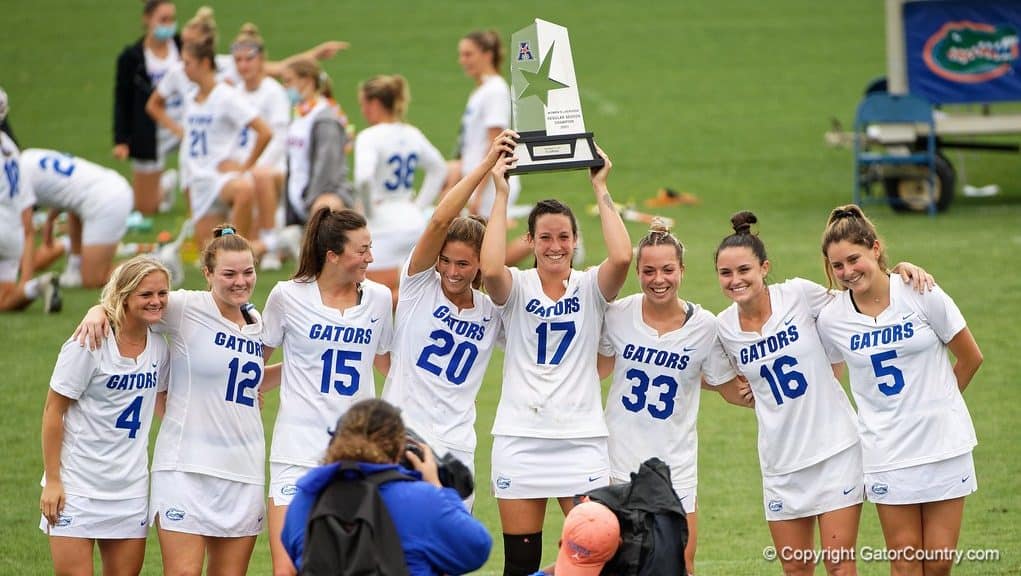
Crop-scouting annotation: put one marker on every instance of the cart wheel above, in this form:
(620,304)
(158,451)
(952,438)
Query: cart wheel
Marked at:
(911,193)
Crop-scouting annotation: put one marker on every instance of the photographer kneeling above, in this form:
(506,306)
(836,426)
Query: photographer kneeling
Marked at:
(438,535)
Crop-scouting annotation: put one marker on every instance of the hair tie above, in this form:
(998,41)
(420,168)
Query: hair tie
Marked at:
(842,213)
(224,232)
(251,48)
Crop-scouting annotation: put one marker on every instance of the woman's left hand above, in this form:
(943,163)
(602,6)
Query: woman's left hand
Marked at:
(919,279)
(427,465)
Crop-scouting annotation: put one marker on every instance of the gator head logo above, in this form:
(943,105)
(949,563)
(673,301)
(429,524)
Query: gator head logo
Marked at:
(174,514)
(971,52)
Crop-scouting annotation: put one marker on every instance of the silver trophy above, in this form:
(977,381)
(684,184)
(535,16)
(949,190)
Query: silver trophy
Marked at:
(546,105)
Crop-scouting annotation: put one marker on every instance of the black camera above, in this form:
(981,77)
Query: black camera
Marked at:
(452,472)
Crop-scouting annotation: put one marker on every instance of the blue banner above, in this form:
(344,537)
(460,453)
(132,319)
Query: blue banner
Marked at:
(963,51)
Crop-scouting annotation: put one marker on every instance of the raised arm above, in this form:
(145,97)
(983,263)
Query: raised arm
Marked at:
(495,275)
(613,270)
(428,248)
(323,51)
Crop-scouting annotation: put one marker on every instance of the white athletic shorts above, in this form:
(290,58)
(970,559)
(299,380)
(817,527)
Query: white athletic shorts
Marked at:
(283,482)
(395,228)
(206,505)
(100,519)
(12,244)
(932,482)
(832,484)
(548,467)
(106,222)
(205,190)
(688,495)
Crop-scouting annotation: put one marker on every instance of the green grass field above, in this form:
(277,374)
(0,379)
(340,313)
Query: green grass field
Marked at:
(726,100)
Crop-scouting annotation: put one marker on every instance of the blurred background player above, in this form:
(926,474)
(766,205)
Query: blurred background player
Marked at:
(270,101)
(659,348)
(488,112)
(95,431)
(387,156)
(140,67)
(17,242)
(316,142)
(335,327)
(549,415)
(213,119)
(445,327)
(97,200)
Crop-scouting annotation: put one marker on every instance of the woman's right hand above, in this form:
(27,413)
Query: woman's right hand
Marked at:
(93,329)
(503,145)
(121,151)
(426,465)
(51,503)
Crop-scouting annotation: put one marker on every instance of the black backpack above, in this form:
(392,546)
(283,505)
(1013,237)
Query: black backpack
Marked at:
(653,526)
(350,531)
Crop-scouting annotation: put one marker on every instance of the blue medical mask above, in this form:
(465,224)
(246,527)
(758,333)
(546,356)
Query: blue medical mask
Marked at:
(164,33)
(294,96)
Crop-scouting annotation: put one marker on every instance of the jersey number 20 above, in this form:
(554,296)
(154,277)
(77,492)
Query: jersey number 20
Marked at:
(462,357)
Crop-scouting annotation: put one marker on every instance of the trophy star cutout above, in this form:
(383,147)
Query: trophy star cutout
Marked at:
(539,83)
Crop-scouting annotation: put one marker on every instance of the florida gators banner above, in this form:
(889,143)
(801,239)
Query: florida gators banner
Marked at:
(961,51)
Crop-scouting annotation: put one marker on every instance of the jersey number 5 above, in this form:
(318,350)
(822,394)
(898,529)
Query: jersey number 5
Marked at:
(882,370)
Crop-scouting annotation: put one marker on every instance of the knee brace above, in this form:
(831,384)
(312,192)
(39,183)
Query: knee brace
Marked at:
(522,554)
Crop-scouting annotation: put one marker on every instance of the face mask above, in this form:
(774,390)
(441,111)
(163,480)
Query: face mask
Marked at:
(294,96)
(164,33)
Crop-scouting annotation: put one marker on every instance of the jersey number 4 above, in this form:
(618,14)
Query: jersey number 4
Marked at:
(131,418)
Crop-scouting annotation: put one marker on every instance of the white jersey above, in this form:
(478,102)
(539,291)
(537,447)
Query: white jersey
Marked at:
(14,197)
(550,383)
(299,150)
(489,106)
(105,452)
(652,405)
(387,157)
(804,415)
(328,356)
(61,181)
(910,410)
(213,424)
(272,105)
(440,355)
(160,68)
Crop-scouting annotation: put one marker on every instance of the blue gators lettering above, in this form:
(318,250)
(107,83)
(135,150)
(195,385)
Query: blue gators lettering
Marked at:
(346,334)
(565,306)
(138,381)
(769,345)
(671,360)
(238,344)
(882,336)
(464,328)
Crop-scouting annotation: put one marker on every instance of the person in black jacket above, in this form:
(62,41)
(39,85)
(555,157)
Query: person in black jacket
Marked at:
(139,67)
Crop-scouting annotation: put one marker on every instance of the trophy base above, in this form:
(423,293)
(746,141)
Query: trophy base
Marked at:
(537,152)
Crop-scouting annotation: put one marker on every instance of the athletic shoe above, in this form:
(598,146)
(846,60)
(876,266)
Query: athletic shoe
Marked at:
(52,302)
(289,242)
(71,278)
(168,191)
(170,256)
(270,262)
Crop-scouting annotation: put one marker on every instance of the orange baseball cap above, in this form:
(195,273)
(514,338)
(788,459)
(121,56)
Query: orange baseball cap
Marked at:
(590,539)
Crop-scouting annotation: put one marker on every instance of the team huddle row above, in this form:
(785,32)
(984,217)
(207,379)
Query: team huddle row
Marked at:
(911,447)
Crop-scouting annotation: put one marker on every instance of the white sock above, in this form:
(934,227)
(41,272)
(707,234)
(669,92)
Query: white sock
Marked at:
(32,289)
(74,262)
(268,239)
(66,241)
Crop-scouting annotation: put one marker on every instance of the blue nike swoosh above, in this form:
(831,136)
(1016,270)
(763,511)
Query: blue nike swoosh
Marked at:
(373,320)
(848,491)
(593,478)
(690,349)
(965,479)
(905,317)
(788,321)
